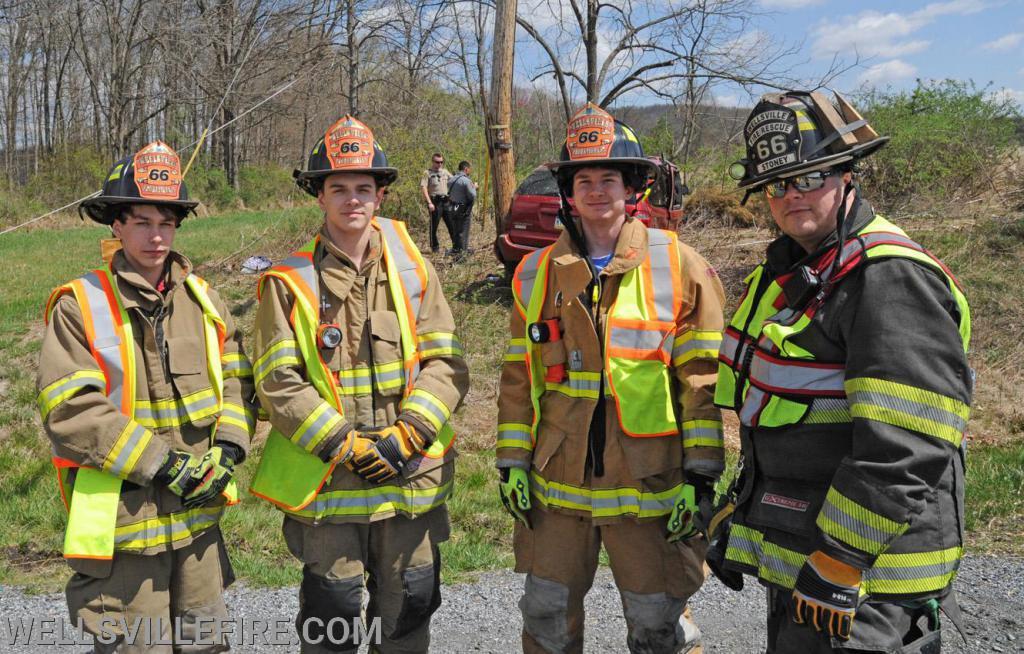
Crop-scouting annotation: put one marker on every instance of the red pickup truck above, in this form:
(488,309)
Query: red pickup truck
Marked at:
(533,219)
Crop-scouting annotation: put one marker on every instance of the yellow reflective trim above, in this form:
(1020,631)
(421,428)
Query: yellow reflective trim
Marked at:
(166,529)
(274,358)
(239,417)
(321,421)
(908,407)
(429,406)
(66,387)
(515,434)
(236,365)
(603,502)
(856,525)
(133,438)
(437,344)
(379,499)
(115,173)
(703,433)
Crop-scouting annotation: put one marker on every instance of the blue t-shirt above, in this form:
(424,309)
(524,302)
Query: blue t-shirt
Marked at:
(601,262)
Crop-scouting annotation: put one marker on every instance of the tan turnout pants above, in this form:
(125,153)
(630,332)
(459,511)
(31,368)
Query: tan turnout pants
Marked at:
(655,579)
(145,599)
(396,562)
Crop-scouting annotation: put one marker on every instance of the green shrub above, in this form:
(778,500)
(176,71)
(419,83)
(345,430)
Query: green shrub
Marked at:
(267,185)
(209,185)
(948,138)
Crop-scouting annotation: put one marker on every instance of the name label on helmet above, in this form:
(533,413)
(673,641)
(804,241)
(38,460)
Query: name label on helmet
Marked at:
(591,133)
(157,172)
(772,139)
(349,144)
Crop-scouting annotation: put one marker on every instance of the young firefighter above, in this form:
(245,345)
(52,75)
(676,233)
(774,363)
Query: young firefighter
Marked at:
(147,397)
(358,365)
(846,364)
(605,409)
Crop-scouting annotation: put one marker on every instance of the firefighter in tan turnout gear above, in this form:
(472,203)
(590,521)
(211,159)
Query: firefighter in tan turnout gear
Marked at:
(607,432)
(846,364)
(359,368)
(147,397)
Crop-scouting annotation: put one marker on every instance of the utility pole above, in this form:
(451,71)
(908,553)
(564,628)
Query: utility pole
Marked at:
(499,114)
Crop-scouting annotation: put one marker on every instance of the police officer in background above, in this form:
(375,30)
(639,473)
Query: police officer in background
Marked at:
(461,196)
(846,364)
(434,187)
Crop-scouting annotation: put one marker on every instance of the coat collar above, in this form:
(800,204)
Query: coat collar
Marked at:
(137,292)
(630,249)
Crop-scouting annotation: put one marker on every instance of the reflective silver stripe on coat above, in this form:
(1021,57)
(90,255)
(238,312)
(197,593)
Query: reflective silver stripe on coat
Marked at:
(306,271)
(527,276)
(107,341)
(127,450)
(728,349)
(168,532)
(404,263)
(659,250)
(795,377)
(640,339)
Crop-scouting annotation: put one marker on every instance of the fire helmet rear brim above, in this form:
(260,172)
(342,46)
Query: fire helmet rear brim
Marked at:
(311,181)
(98,208)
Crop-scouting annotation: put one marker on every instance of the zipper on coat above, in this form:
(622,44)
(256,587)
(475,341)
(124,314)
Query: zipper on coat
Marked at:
(373,370)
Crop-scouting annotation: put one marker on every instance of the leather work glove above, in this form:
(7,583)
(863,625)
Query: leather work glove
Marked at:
(344,446)
(223,458)
(387,457)
(514,487)
(680,521)
(714,522)
(183,472)
(826,594)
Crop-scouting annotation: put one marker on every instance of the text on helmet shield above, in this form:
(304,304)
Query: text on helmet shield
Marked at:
(349,144)
(157,172)
(590,134)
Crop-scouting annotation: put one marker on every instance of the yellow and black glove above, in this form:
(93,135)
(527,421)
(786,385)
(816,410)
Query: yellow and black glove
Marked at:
(680,521)
(826,594)
(343,446)
(514,487)
(387,457)
(223,457)
(183,472)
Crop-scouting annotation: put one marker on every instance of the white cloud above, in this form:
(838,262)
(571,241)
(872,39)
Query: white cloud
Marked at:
(1005,43)
(789,4)
(1012,95)
(887,71)
(891,34)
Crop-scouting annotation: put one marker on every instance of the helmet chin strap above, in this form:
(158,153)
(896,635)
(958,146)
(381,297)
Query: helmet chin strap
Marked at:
(843,224)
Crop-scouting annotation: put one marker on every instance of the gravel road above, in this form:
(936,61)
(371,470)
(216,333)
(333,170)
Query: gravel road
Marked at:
(481,616)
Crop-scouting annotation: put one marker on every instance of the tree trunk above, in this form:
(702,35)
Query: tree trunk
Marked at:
(499,128)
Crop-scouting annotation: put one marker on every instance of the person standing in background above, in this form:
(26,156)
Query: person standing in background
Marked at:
(461,196)
(434,186)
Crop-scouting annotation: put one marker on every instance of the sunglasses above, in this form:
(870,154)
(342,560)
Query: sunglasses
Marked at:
(438,160)
(802,183)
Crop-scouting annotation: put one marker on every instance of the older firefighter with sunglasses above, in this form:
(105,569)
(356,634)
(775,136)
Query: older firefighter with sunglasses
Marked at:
(359,369)
(146,394)
(846,363)
(607,431)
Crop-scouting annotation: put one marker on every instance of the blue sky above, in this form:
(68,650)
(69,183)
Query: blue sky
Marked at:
(896,42)
(900,41)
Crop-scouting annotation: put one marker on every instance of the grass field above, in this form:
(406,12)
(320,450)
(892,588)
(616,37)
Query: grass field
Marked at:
(985,253)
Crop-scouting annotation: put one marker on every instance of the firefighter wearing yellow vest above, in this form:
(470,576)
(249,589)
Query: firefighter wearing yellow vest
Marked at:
(846,364)
(607,431)
(359,368)
(146,395)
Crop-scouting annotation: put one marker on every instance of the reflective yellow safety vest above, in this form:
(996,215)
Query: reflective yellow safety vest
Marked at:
(638,338)
(92,531)
(758,341)
(289,476)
